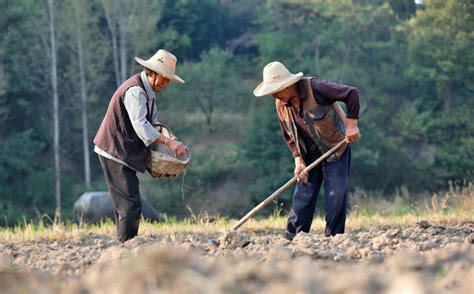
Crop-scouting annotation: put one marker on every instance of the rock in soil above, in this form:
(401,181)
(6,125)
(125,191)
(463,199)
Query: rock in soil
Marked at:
(233,239)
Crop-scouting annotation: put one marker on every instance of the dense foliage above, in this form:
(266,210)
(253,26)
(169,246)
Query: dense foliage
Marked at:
(413,66)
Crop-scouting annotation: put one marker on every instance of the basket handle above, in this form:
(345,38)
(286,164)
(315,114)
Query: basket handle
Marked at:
(165,130)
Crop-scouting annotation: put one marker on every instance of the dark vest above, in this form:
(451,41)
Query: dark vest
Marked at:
(325,123)
(116,135)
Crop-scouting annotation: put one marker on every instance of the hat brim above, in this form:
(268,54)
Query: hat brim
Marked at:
(171,76)
(267,89)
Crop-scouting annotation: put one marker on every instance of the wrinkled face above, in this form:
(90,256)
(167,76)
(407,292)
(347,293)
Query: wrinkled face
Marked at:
(158,81)
(288,94)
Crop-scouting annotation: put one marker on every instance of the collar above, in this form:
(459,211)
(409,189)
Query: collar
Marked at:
(149,91)
(302,90)
(303,96)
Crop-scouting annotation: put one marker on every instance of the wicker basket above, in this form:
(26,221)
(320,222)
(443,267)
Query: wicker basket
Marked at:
(162,163)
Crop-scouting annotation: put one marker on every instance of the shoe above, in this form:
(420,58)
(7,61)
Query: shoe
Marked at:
(327,232)
(289,236)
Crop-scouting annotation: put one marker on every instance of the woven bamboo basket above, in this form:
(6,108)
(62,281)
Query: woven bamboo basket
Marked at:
(162,162)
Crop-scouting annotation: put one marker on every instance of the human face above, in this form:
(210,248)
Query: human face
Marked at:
(289,94)
(158,81)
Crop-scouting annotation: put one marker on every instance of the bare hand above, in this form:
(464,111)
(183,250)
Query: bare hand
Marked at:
(352,131)
(177,147)
(299,173)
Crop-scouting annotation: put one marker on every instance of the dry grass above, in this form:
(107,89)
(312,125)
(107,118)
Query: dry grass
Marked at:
(453,208)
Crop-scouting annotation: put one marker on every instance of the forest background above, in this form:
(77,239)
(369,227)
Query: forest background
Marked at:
(60,62)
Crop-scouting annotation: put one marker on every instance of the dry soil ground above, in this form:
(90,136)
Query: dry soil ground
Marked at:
(418,258)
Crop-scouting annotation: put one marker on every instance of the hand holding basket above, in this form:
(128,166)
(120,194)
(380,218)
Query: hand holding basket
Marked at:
(162,162)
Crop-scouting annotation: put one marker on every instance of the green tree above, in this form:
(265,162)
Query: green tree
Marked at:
(197,26)
(216,86)
(131,26)
(441,39)
(23,139)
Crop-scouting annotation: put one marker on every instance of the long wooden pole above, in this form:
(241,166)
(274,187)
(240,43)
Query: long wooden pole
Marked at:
(283,188)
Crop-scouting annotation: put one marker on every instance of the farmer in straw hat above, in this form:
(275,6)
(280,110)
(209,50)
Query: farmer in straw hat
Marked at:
(126,132)
(312,123)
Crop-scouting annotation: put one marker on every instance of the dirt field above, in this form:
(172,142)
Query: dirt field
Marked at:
(421,258)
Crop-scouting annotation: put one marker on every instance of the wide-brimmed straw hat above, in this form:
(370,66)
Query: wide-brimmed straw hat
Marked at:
(276,77)
(163,63)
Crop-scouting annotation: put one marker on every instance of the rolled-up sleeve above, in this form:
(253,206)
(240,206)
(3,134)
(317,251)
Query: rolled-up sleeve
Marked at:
(329,92)
(135,101)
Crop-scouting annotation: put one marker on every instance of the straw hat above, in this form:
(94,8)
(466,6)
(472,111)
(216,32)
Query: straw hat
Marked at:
(163,63)
(276,77)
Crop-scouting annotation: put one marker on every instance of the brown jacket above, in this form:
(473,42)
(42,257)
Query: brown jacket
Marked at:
(324,123)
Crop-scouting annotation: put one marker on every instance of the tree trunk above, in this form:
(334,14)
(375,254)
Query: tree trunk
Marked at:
(116,58)
(85,132)
(209,123)
(109,15)
(209,119)
(54,84)
(207,111)
(447,98)
(317,59)
(122,26)
(342,75)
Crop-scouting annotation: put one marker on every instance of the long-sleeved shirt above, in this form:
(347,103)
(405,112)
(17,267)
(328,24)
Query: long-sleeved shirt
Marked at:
(325,93)
(138,103)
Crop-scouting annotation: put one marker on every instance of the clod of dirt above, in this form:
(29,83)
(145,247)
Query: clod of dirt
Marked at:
(393,233)
(161,269)
(5,262)
(408,261)
(423,224)
(233,239)
(426,245)
(354,252)
(13,281)
(470,239)
(303,240)
(213,242)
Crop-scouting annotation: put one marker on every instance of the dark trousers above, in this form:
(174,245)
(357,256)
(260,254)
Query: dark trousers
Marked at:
(335,176)
(122,182)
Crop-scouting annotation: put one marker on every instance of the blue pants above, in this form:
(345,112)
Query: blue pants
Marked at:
(335,176)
